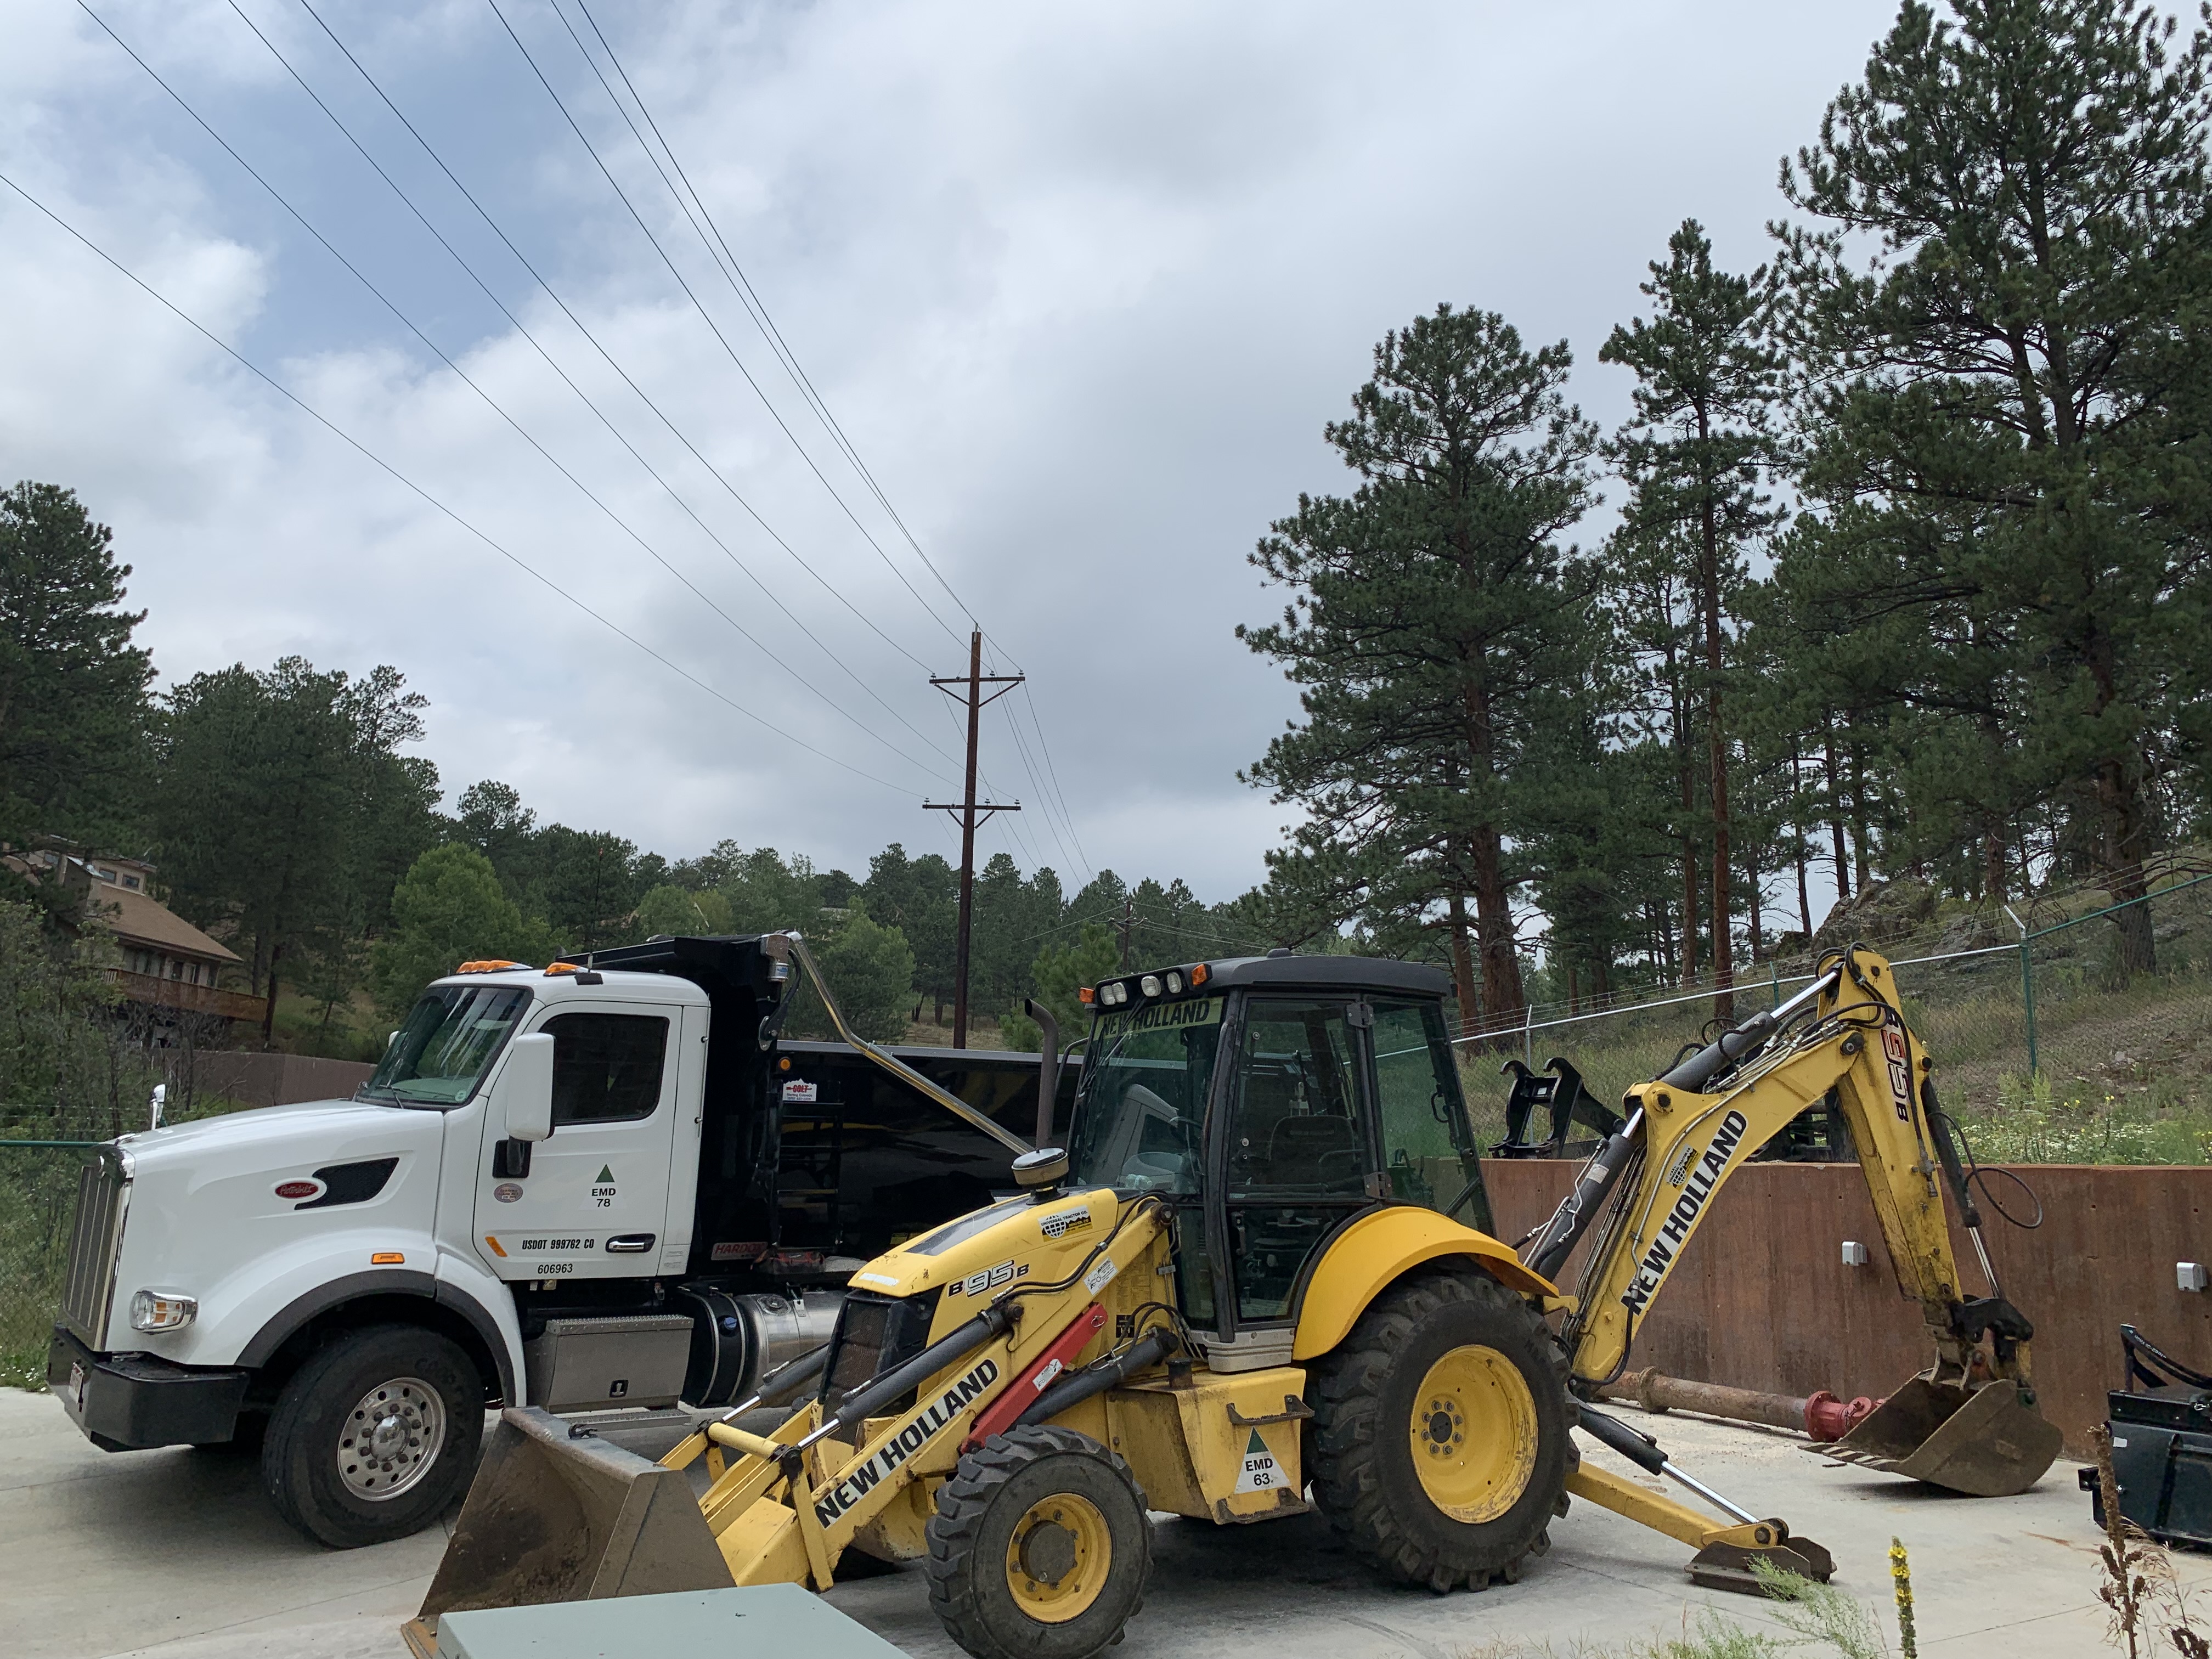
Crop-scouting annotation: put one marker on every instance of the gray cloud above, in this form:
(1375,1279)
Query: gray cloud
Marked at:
(1082,284)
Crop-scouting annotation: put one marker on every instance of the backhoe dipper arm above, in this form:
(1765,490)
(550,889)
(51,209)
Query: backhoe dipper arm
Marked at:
(1696,1126)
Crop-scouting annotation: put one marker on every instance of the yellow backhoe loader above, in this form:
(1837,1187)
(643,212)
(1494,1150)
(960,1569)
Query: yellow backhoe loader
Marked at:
(1263,1279)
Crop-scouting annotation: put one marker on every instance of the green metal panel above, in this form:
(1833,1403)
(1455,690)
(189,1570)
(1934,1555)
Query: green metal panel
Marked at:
(770,1620)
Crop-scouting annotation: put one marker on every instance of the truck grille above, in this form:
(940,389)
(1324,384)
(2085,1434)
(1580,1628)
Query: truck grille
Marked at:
(95,1242)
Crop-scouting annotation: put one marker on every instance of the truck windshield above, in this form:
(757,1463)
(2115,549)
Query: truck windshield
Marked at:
(450,1036)
(1141,1121)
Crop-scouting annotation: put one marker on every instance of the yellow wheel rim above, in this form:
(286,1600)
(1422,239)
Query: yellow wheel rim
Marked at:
(1474,1432)
(1058,1559)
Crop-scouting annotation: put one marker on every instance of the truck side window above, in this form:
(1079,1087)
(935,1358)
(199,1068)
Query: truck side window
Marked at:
(606,1067)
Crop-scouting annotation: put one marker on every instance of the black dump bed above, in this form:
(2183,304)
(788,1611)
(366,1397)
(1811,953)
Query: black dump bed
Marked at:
(810,1149)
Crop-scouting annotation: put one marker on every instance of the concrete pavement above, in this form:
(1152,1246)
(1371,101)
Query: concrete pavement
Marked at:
(176,1555)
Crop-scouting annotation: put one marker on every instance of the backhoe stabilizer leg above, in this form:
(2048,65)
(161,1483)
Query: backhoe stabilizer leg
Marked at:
(1725,1554)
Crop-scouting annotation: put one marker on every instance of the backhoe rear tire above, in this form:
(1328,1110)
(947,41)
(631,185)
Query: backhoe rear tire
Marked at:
(1040,1547)
(1440,1447)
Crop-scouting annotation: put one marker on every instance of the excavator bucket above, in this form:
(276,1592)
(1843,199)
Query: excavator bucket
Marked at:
(1982,1442)
(553,1517)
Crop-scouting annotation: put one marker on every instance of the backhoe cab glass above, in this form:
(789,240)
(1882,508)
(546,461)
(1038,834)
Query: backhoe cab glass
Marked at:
(1140,1124)
(451,1038)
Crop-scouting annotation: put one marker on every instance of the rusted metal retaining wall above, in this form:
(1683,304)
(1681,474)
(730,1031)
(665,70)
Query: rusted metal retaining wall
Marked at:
(1762,1300)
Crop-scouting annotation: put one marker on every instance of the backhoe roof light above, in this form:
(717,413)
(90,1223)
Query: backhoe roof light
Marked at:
(1087,996)
(1200,974)
(1150,985)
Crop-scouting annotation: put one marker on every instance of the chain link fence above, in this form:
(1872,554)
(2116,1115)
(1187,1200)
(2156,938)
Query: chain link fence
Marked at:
(37,1198)
(2050,1044)
(83,1071)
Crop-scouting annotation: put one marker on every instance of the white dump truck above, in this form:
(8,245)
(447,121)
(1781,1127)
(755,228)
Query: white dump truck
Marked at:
(599,1186)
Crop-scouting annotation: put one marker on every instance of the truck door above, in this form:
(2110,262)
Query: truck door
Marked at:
(590,1200)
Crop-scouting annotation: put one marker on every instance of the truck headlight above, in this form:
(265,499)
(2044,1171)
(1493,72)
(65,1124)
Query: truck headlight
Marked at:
(163,1310)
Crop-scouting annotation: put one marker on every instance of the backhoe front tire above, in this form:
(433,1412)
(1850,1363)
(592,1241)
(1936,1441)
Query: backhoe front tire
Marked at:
(1440,1448)
(1040,1547)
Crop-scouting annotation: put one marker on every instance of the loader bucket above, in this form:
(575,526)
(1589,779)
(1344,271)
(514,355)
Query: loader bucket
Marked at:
(550,1518)
(1981,1441)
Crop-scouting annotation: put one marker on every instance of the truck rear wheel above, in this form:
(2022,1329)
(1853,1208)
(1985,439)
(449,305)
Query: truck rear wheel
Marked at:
(373,1436)
(1440,1433)
(1040,1547)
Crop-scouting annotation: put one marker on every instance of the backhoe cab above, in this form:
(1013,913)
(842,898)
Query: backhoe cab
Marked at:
(1260,1279)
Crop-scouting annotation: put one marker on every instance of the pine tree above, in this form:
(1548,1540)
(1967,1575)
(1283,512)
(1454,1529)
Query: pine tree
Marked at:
(284,811)
(1436,628)
(73,708)
(1697,456)
(920,898)
(2033,178)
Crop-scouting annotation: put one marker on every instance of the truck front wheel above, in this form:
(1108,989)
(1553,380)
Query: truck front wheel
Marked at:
(373,1436)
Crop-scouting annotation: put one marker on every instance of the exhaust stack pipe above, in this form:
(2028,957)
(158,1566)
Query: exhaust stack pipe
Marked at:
(1048,1073)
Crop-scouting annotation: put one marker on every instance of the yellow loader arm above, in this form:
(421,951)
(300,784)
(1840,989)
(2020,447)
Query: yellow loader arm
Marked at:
(1968,1422)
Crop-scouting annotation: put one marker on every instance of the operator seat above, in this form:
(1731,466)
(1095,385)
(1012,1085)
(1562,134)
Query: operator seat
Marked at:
(1271,1099)
(1316,1150)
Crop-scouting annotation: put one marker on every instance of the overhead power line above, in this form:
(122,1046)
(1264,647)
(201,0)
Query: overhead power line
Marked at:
(714,328)
(734,273)
(487,399)
(1053,773)
(715,472)
(1042,795)
(337,431)
(566,379)
(696,213)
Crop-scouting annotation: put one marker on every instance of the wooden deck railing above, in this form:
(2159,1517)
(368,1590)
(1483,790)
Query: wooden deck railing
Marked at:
(156,991)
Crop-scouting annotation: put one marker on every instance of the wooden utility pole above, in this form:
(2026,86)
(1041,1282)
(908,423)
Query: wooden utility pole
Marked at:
(972,812)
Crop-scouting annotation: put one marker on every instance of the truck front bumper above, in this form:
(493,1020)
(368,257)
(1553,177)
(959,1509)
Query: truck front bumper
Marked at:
(132,1402)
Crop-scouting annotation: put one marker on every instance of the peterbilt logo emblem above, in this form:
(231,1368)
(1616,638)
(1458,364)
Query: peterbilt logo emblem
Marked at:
(298,1188)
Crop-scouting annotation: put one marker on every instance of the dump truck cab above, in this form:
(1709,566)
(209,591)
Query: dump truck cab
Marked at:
(600,1185)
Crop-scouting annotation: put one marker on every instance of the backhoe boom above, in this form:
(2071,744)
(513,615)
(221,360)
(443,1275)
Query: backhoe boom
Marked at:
(1689,1130)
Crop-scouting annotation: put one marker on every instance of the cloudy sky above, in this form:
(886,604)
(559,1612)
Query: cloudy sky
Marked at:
(1079,285)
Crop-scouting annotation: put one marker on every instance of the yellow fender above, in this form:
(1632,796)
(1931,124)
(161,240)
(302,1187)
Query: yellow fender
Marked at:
(1381,1247)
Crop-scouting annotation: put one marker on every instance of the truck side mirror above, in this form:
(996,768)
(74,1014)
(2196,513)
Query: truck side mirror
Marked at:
(526,1087)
